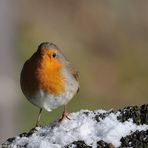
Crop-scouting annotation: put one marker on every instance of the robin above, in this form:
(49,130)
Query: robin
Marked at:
(48,79)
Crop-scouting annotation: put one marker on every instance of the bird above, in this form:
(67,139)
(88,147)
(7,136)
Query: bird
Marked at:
(48,80)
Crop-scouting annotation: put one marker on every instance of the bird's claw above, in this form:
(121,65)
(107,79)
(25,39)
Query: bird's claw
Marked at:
(64,116)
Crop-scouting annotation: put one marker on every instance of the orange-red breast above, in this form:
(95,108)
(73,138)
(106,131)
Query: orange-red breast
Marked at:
(48,80)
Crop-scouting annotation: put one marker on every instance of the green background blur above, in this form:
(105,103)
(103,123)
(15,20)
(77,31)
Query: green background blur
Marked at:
(107,41)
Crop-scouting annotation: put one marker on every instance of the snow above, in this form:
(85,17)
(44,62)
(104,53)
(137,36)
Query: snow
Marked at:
(81,126)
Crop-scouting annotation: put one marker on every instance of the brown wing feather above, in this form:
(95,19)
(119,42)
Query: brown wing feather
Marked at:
(73,72)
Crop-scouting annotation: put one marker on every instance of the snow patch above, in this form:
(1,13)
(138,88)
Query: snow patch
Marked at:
(82,126)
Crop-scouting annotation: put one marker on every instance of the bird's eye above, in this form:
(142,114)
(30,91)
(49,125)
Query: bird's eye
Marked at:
(54,55)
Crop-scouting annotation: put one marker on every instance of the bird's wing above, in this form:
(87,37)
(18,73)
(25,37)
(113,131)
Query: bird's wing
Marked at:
(73,71)
(76,76)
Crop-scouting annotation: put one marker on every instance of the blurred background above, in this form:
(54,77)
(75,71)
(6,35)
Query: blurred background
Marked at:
(107,41)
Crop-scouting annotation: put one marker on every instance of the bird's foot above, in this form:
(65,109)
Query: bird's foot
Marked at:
(64,116)
(37,126)
(33,130)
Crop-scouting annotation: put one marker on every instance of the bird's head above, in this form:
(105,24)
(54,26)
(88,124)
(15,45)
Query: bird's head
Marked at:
(47,49)
(50,54)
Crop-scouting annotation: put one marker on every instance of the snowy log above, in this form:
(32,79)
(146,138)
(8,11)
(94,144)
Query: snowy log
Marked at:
(126,127)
